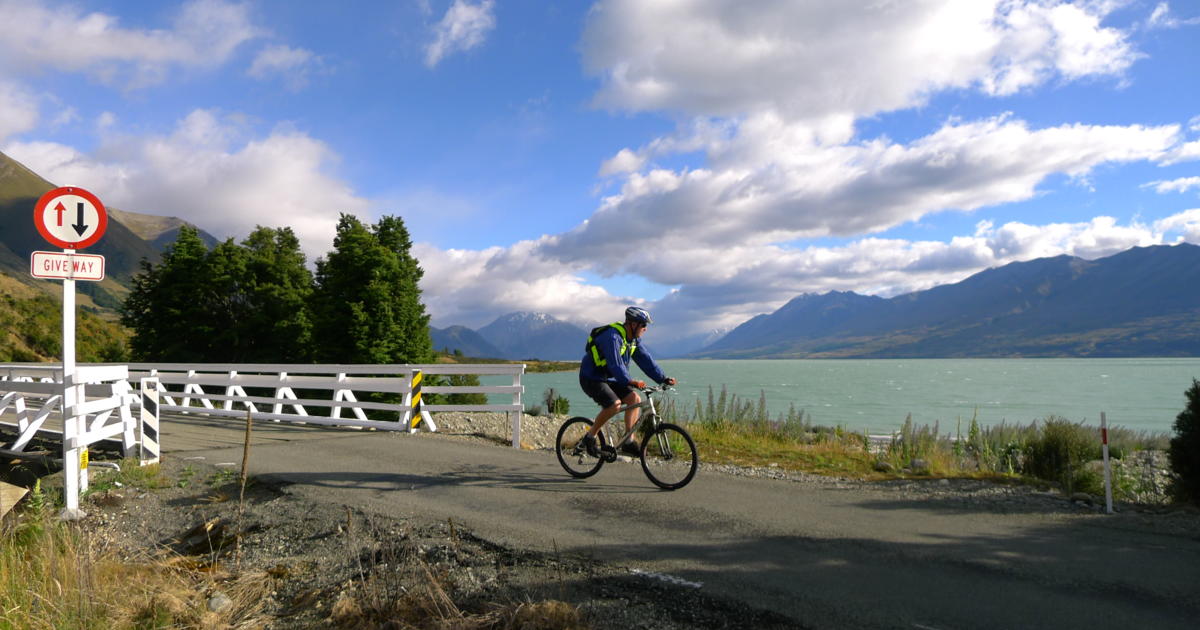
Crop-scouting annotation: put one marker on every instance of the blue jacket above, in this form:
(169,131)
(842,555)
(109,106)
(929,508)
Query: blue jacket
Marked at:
(615,364)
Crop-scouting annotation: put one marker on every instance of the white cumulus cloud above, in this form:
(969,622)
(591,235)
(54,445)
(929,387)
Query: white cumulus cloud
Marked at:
(775,182)
(1185,152)
(1184,226)
(473,287)
(36,36)
(293,65)
(210,171)
(465,26)
(1182,184)
(19,110)
(1162,17)
(812,60)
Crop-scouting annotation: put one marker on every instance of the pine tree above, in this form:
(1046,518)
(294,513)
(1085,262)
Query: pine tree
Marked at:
(278,288)
(223,306)
(237,303)
(162,308)
(367,302)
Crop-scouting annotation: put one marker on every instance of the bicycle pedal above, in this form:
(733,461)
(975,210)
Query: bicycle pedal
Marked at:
(608,453)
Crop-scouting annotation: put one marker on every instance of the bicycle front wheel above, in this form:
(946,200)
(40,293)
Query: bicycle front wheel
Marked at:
(570,451)
(669,457)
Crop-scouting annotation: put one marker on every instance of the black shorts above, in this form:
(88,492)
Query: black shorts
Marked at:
(605,394)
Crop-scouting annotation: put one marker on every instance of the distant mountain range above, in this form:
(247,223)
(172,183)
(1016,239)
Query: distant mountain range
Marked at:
(516,336)
(1141,302)
(464,340)
(130,237)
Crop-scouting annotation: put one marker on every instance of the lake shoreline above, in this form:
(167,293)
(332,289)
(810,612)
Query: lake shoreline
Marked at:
(878,395)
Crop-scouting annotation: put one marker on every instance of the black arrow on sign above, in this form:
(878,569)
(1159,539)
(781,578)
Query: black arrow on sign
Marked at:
(79,225)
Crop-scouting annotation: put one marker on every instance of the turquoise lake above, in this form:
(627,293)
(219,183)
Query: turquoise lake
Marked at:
(876,395)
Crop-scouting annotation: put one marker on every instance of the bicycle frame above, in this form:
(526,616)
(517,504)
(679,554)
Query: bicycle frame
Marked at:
(651,416)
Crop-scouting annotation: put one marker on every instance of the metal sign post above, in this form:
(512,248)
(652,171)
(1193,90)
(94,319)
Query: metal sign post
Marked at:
(71,218)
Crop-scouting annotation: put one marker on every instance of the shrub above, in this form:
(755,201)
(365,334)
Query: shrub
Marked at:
(466,399)
(555,404)
(1184,451)
(1059,453)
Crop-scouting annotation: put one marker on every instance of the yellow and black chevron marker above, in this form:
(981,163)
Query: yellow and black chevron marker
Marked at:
(416,398)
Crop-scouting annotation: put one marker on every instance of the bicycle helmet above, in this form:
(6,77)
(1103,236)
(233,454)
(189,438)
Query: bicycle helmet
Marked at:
(638,314)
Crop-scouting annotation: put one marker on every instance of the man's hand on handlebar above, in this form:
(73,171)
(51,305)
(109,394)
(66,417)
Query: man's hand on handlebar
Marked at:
(638,384)
(670,382)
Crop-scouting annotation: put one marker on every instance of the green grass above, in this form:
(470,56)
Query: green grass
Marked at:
(731,444)
(1055,451)
(131,475)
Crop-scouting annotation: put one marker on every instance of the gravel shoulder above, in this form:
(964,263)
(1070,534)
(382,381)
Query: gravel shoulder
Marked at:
(316,557)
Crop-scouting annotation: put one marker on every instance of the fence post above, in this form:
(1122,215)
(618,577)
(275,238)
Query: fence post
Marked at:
(149,449)
(516,415)
(1107,466)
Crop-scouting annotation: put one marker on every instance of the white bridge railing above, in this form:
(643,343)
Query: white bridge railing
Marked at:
(328,394)
(93,404)
(308,393)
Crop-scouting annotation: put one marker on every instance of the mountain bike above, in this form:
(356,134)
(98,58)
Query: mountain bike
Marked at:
(668,454)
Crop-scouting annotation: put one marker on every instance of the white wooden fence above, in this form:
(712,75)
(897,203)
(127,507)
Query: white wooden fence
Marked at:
(332,394)
(103,396)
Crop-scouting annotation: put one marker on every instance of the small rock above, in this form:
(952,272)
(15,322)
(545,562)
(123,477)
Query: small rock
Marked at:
(919,466)
(1082,497)
(884,466)
(219,602)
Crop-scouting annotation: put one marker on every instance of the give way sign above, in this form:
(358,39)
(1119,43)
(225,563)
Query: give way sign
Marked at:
(70,217)
(66,266)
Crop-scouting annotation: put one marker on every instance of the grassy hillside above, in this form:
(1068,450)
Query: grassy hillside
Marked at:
(31,328)
(130,237)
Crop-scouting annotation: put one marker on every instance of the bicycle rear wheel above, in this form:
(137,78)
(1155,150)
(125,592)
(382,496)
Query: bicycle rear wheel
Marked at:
(669,457)
(570,451)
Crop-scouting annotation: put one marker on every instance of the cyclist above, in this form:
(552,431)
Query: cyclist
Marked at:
(604,374)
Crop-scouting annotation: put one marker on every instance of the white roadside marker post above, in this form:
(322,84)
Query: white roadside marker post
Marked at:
(1107,467)
(74,473)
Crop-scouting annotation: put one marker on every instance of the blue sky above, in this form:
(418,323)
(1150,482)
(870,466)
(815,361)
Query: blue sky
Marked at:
(709,160)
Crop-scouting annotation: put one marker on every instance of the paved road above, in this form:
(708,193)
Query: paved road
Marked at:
(827,557)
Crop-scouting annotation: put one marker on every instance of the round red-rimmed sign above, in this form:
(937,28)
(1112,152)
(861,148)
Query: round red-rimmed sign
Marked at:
(70,217)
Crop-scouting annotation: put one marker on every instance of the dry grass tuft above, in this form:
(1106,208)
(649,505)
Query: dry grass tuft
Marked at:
(56,575)
(547,615)
(382,601)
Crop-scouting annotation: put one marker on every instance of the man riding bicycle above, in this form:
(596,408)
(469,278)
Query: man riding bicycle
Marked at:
(604,374)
